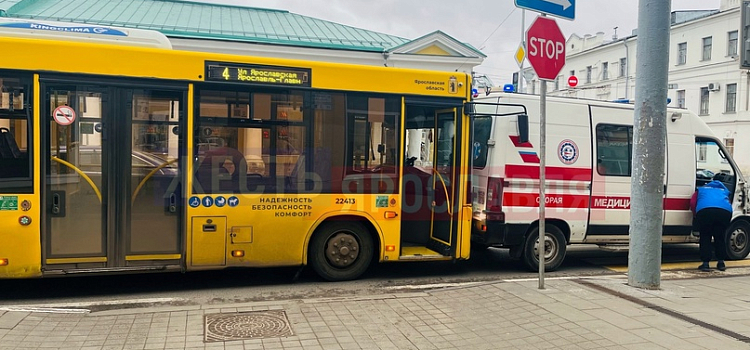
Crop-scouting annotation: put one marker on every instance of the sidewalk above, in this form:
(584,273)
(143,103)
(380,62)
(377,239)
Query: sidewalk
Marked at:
(590,313)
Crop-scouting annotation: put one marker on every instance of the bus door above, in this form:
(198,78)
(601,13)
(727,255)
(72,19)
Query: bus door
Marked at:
(112,178)
(444,182)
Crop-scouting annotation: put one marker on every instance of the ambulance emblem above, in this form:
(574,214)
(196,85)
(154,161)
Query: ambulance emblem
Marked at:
(567,151)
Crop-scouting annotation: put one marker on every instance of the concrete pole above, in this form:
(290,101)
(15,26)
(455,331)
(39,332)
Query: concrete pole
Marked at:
(415,144)
(649,137)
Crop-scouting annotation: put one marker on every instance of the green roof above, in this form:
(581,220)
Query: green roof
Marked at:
(190,19)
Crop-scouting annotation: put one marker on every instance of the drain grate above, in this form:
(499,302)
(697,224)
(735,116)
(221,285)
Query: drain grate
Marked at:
(247,325)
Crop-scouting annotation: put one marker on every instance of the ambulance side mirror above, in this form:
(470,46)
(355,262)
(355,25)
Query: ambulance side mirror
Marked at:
(523,128)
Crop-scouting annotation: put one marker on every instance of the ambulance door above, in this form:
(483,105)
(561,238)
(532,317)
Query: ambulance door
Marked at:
(612,140)
(679,180)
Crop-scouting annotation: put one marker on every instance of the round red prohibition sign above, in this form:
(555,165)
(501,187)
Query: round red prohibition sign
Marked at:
(572,81)
(64,115)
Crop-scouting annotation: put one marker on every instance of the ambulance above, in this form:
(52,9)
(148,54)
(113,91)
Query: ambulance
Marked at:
(589,146)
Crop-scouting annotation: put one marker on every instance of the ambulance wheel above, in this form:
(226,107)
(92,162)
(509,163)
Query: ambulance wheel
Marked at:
(738,246)
(341,251)
(554,249)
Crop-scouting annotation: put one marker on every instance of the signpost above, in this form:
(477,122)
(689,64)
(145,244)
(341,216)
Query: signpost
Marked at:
(546,54)
(565,9)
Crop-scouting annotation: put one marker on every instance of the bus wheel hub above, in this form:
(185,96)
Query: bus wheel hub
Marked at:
(342,249)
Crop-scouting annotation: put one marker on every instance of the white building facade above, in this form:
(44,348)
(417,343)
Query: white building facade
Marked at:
(704,72)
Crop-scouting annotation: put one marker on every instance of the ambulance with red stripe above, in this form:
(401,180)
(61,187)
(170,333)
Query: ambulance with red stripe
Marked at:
(588,171)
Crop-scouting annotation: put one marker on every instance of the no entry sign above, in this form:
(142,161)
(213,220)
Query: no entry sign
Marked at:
(64,115)
(572,81)
(546,48)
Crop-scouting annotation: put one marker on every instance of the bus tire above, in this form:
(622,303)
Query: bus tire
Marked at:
(341,250)
(555,247)
(738,245)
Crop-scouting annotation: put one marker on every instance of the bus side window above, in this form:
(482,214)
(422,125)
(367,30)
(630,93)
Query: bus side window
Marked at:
(15,137)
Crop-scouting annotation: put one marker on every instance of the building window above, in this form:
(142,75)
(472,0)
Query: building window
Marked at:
(681,53)
(681,99)
(623,67)
(605,70)
(702,150)
(572,73)
(707,45)
(588,75)
(731,98)
(729,145)
(732,44)
(704,101)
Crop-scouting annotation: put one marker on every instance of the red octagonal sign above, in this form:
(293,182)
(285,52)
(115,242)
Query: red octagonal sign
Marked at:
(546,48)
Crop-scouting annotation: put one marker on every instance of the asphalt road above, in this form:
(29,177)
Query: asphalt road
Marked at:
(243,285)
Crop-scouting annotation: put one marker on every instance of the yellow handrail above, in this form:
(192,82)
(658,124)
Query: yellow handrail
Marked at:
(143,182)
(445,188)
(84,176)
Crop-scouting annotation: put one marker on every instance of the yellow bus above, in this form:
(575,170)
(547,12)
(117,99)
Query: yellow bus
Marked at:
(120,158)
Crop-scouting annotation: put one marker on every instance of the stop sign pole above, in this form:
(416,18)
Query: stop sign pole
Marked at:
(546,46)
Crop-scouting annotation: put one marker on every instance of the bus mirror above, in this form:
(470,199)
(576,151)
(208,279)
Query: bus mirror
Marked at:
(523,128)
(381,148)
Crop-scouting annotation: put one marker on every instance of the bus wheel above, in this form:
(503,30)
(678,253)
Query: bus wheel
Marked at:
(738,246)
(554,249)
(341,251)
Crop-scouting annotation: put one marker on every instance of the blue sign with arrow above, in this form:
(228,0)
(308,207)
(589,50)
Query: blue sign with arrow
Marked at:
(565,9)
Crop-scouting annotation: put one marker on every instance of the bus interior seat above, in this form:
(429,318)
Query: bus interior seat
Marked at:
(8,146)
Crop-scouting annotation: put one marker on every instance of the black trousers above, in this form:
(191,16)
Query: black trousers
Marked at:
(713,223)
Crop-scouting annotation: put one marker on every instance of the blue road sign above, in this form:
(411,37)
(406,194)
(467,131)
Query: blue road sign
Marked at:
(565,9)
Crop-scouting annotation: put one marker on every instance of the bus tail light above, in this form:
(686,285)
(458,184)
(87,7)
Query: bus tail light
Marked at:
(495,194)
(3,261)
(391,215)
(238,253)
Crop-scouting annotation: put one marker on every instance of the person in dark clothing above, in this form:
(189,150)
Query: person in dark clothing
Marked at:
(713,212)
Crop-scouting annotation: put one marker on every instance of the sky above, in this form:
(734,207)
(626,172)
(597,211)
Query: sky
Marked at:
(493,26)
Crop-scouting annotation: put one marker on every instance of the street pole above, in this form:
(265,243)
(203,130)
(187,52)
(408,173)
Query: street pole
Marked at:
(649,136)
(523,42)
(542,184)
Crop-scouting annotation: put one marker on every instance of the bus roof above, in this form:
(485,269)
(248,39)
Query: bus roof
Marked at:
(36,29)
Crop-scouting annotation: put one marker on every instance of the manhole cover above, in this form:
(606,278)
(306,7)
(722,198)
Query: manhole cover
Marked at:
(247,325)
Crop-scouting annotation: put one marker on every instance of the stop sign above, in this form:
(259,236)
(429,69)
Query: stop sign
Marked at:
(572,81)
(546,46)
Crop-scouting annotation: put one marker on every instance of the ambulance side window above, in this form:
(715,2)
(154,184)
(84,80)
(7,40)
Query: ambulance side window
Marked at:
(614,147)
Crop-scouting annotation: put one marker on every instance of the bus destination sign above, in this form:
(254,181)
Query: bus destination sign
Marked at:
(258,74)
